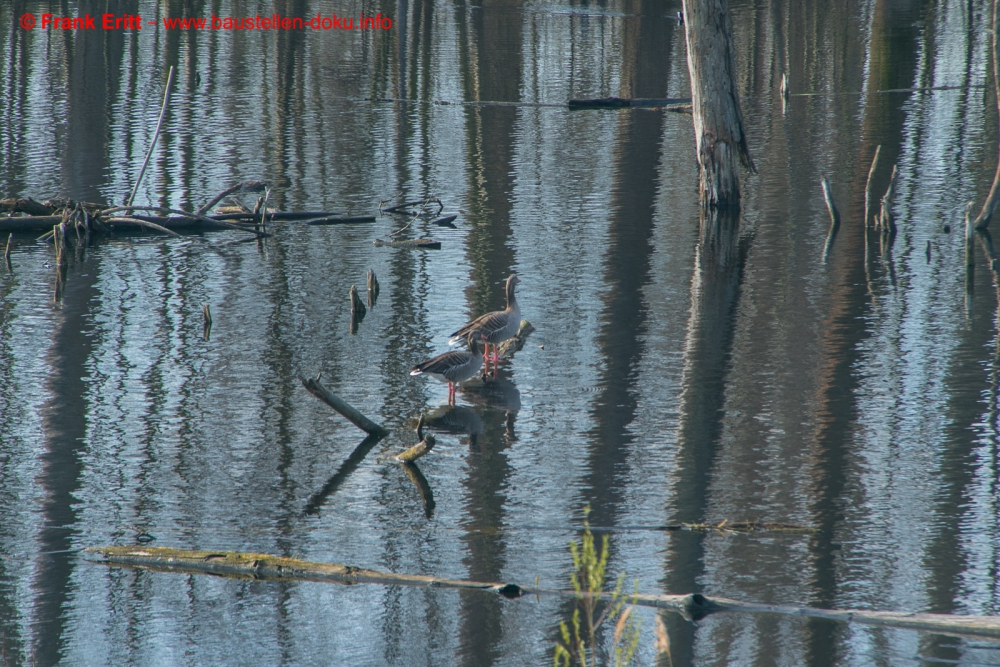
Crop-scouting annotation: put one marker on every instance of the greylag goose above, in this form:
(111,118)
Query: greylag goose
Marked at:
(495,327)
(452,367)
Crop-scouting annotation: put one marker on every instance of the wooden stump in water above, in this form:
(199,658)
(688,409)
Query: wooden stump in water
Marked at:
(372,288)
(715,105)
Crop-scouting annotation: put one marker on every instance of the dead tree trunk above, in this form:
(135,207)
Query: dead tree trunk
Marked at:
(715,103)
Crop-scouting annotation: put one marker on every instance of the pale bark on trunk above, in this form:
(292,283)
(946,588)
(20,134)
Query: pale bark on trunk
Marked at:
(718,122)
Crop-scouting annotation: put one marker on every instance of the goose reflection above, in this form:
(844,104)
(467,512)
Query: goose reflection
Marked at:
(497,393)
(454,419)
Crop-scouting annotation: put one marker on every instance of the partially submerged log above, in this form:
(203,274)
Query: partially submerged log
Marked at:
(693,606)
(41,216)
(316,388)
(425,445)
(423,244)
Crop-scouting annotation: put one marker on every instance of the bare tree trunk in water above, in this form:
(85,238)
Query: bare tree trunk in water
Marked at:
(718,121)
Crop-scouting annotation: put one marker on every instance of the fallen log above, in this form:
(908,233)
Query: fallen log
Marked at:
(315,387)
(693,606)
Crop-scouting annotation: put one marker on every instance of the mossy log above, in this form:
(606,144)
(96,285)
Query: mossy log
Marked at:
(695,606)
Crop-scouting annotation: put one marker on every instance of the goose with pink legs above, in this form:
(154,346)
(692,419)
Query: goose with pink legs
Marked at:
(495,327)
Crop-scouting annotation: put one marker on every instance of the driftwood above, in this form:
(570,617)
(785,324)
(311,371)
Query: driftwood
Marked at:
(6,253)
(314,387)
(423,244)
(693,606)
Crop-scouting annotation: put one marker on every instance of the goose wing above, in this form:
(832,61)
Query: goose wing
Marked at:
(443,363)
(485,324)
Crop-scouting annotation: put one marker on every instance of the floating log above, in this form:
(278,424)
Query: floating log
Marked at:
(314,387)
(693,606)
(620,102)
(423,244)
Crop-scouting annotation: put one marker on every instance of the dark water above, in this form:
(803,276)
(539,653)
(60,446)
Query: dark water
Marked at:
(670,378)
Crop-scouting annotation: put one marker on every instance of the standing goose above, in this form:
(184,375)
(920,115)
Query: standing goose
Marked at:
(496,327)
(452,367)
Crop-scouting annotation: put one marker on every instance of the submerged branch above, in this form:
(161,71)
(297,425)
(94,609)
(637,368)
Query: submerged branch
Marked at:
(263,566)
